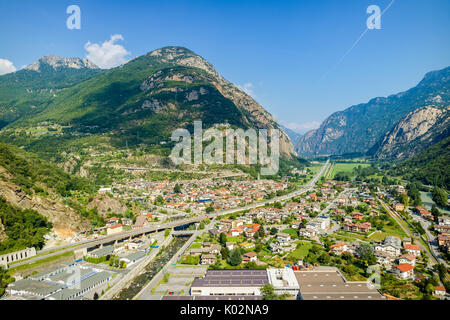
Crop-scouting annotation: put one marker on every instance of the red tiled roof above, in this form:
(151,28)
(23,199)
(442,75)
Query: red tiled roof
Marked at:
(405,267)
(411,247)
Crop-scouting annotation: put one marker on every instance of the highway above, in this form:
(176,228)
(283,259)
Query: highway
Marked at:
(107,239)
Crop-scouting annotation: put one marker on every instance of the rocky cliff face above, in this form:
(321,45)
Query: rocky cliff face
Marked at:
(60,62)
(254,113)
(106,205)
(66,222)
(358,128)
(418,130)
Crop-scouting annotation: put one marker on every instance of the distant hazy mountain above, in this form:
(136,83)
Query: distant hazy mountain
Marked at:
(142,102)
(26,90)
(358,128)
(294,136)
(414,133)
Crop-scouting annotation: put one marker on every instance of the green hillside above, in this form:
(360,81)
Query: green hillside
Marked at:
(35,175)
(30,90)
(137,104)
(431,166)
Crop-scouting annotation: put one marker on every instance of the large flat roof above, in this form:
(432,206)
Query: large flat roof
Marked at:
(211,298)
(35,287)
(329,285)
(232,278)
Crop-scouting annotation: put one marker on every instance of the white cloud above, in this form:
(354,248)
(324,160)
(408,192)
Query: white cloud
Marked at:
(301,127)
(248,89)
(6,66)
(107,55)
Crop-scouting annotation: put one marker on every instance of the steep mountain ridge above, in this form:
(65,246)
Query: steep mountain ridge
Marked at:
(359,127)
(32,88)
(141,103)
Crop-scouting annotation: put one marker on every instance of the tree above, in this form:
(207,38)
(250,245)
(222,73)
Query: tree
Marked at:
(159,200)
(364,251)
(435,211)
(440,197)
(273,231)
(202,225)
(225,253)
(235,258)
(404,199)
(177,188)
(210,208)
(223,239)
(350,269)
(96,296)
(268,293)
(324,258)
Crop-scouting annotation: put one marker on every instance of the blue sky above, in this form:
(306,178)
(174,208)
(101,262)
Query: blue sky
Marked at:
(287,54)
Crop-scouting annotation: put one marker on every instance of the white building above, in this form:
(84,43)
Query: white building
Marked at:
(284,281)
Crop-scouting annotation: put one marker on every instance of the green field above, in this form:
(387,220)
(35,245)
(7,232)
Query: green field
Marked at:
(301,251)
(346,167)
(292,232)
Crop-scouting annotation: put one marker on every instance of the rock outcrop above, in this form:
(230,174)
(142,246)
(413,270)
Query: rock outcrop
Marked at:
(106,205)
(418,130)
(61,216)
(60,62)
(254,113)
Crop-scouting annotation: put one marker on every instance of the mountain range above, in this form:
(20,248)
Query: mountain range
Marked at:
(29,89)
(359,129)
(138,103)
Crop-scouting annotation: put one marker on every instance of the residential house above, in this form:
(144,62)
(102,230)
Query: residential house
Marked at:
(439,291)
(412,249)
(404,271)
(283,237)
(407,258)
(208,259)
(141,222)
(249,257)
(384,259)
(399,206)
(114,229)
(308,232)
(339,248)
(357,216)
